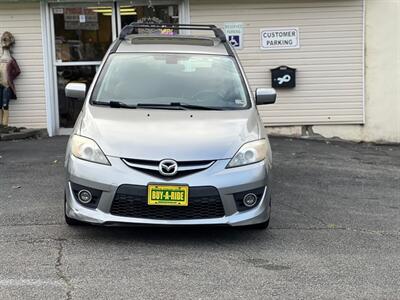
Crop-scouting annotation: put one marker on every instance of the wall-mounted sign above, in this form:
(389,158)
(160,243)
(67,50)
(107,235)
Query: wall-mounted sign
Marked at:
(82,18)
(58,11)
(283,77)
(280,38)
(234,34)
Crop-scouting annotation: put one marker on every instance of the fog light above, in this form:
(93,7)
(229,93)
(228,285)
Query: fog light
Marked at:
(249,200)
(85,196)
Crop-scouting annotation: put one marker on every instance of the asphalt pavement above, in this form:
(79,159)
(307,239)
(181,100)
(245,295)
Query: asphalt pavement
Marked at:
(334,233)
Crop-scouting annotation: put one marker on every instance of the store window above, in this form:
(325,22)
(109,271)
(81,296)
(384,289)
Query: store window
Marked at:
(82,33)
(153,14)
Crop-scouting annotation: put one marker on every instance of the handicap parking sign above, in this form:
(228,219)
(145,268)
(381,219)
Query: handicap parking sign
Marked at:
(234,34)
(234,40)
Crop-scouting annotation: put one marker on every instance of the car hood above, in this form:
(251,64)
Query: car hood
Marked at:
(182,135)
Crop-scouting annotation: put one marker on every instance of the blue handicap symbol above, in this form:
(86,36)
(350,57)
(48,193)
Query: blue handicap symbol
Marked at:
(234,40)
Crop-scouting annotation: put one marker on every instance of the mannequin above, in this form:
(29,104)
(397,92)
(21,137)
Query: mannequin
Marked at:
(9,70)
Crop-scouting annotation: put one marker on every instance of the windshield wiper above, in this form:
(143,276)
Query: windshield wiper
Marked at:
(158,106)
(172,105)
(115,104)
(194,106)
(177,105)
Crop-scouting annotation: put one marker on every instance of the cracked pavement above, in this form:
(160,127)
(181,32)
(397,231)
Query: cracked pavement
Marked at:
(334,233)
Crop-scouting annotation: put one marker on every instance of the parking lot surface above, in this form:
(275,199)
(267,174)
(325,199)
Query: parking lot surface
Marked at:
(334,233)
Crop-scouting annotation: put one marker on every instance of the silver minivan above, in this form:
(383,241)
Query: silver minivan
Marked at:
(169,134)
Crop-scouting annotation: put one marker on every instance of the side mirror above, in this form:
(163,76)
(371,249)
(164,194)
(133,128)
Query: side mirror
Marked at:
(76,90)
(265,96)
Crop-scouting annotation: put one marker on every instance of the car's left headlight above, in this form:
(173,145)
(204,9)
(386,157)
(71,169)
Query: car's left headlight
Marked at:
(87,149)
(249,153)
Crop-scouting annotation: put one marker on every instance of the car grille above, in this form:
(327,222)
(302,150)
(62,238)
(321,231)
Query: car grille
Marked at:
(151,167)
(131,201)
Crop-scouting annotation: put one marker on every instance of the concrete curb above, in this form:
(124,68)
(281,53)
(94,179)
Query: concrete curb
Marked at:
(318,138)
(23,134)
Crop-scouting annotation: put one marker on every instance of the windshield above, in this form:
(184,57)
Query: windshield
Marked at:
(164,78)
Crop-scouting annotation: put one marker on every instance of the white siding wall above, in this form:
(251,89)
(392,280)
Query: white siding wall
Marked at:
(23,21)
(329,63)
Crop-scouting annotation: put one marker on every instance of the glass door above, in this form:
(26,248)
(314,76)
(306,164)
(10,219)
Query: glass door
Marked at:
(82,34)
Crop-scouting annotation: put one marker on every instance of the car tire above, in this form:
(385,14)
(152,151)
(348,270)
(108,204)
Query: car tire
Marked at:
(68,220)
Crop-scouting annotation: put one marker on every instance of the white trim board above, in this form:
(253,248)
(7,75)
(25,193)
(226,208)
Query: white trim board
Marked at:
(48,70)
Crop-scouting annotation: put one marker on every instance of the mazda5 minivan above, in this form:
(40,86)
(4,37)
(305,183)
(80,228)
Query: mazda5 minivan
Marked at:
(169,134)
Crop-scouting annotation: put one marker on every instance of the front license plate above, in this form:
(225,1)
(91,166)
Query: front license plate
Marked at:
(170,195)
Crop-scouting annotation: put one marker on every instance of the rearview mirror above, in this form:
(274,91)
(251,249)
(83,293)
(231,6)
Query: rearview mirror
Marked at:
(265,96)
(76,90)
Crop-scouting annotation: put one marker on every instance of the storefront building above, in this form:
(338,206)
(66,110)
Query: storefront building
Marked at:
(335,47)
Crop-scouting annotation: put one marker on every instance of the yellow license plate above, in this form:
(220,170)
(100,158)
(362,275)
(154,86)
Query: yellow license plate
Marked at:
(170,195)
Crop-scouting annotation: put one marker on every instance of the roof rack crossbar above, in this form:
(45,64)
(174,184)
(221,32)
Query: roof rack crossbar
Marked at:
(129,29)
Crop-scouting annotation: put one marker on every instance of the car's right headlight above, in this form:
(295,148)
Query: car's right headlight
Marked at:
(249,153)
(87,149)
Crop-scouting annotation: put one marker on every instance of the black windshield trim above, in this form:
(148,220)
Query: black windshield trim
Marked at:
(114,104)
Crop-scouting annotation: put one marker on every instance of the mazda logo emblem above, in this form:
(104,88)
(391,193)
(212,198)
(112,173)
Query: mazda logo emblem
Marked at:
(168,167)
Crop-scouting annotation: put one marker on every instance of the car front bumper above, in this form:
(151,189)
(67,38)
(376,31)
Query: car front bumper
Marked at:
(109,178)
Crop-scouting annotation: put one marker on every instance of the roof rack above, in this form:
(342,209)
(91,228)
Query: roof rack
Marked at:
(133,28)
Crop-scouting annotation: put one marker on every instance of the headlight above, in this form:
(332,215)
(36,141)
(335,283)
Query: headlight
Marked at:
(87,149)
(249,153)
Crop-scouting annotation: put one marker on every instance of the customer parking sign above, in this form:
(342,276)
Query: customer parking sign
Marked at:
(234,34)
(279,38)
